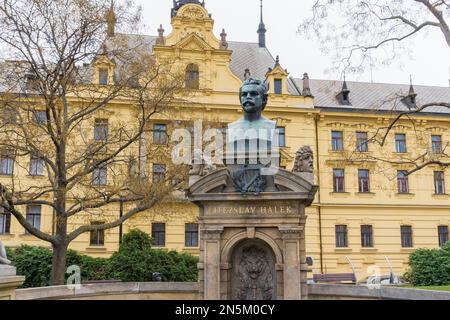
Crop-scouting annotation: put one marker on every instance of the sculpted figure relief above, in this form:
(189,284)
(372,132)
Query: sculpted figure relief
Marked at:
(3,258)
(255,275)
(304,160)
(201,166)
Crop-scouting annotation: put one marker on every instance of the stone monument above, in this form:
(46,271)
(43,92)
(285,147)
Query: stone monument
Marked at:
(9,280)
(252,214)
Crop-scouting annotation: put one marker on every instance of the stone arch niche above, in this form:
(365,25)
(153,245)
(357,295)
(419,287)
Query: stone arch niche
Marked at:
(252,247)
(253,274)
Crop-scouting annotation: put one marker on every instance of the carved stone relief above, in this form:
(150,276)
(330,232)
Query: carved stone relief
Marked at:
(254,275)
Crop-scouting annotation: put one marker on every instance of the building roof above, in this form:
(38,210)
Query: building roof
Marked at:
(375,96)
(246,55)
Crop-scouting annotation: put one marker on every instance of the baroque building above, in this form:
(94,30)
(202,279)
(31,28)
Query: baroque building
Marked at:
(367,211)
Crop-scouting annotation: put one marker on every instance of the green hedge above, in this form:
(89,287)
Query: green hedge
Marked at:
(135,261)
(429,267)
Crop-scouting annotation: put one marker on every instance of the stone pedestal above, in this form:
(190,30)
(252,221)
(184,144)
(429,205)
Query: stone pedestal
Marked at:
(9,282)
(252,246)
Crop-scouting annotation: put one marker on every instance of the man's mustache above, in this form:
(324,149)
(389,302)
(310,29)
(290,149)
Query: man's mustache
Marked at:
(249,103)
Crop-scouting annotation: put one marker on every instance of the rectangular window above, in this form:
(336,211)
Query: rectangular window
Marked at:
(341,236)
(337,143)
(9,116)
(191,235)
(160,134)
(366,236)
(36,166)
(439,182)
(100,176)
(361,142)
(338,180)
(278,85)
(281,136)
(101,129)
(7,165)
(364,181)
(97,237)
(159,234)
(407,240)
(159,173)
(103,76)
(39,117)
(436,144)
(400,142)
(5,221)
(443,235)
(34,216)
(402,181)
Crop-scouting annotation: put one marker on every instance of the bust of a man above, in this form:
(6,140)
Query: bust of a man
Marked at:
(253,97)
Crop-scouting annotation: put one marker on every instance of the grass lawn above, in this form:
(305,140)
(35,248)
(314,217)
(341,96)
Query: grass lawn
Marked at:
(437,288)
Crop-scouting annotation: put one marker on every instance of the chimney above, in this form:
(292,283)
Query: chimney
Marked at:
(306,88)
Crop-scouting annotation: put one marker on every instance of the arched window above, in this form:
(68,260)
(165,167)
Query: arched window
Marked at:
(192,77)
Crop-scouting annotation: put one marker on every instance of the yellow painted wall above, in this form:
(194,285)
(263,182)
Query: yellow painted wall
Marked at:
(217,100)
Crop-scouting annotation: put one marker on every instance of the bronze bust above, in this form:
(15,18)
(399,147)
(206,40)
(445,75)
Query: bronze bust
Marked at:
(253,97)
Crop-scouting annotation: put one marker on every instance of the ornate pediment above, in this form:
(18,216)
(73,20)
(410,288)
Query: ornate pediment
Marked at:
(285,183)
(193,42)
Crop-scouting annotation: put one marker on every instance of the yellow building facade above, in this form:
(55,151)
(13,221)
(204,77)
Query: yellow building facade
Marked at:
(364,214)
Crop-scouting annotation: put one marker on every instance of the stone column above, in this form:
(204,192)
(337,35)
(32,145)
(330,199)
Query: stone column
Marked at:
(211,262)
(291,236)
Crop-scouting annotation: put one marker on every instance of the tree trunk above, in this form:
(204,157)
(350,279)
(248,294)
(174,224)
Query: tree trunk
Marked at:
(58,265)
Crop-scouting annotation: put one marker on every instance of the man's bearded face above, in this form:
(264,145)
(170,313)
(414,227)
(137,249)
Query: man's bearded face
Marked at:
(251,99)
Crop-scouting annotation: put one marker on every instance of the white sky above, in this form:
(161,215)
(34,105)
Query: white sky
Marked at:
(429,64)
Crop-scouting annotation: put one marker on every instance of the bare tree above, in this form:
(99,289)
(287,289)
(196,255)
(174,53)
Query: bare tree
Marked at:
(68,94)
(353,29)
(358,31)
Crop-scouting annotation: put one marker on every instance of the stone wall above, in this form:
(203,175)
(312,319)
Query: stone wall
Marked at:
(114,291)
(352,292)
(189,291)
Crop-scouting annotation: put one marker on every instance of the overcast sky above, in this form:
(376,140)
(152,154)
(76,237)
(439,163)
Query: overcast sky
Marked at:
(429,65)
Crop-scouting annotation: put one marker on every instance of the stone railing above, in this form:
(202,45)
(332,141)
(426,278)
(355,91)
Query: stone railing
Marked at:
(189,291)
(114,291)
(356,292)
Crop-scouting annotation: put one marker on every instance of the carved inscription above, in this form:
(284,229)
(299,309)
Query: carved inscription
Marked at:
(253,210)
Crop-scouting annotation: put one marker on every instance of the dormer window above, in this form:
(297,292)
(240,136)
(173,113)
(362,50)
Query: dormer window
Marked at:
(278,86)
(344,96)
(103,76)
(192,77)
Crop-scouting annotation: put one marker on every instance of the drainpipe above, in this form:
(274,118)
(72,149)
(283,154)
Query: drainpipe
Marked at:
(121,225)
(319,208)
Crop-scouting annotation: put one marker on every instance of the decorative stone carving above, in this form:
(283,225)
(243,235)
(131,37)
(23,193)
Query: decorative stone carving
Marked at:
(254,276)
(3,258)
(201,166)
(193,13)
(248,179)
(304,160)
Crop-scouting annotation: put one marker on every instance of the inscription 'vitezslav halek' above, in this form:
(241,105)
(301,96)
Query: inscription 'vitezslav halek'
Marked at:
(253,210)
